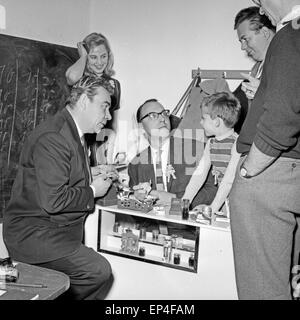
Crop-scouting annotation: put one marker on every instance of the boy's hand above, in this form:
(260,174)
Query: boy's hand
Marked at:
(164,197)
(199,208)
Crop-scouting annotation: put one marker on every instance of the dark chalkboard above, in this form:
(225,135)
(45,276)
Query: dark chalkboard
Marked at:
(32,86)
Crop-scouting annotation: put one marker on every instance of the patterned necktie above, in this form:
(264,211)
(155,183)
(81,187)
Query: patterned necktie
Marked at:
(86,158)
(159,173)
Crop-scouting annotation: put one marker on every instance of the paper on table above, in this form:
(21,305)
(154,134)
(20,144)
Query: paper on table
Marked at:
(17,294)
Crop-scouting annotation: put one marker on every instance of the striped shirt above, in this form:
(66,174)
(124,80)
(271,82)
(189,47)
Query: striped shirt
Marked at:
(220,154)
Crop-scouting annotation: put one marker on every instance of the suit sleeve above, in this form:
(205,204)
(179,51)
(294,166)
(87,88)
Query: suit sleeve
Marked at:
(278,128)
(52,159)
(116,97)
(118,94)
(133,175)
(241,96)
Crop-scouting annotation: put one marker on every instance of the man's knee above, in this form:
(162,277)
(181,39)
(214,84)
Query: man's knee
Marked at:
(101,279)
(101,270)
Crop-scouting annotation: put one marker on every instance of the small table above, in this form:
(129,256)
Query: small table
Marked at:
(56,283)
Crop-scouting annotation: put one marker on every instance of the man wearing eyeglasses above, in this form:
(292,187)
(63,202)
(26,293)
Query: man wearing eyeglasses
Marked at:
(265,197)
(177,163)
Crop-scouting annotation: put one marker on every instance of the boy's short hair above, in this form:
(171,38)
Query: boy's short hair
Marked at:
(223,105)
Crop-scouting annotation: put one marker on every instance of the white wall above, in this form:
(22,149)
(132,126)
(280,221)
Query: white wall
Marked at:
(157,43)
(55,21)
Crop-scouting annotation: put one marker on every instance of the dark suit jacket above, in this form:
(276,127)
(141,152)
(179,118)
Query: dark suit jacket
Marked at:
(240,94)
(184,155)
(51,196)
(245,103)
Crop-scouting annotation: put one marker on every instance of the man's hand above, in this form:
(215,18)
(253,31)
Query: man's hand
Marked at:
(142,190)
(101,184)
(256,161)
(250,87)
(106,170)
(143,187)
(140,195)
(164,197)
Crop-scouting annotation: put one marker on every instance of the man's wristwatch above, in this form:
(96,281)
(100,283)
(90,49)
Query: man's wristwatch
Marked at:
(244,173)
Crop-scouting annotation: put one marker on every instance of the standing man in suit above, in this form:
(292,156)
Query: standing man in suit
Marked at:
(255,33)
(54,191)
(265,197)
(170,174)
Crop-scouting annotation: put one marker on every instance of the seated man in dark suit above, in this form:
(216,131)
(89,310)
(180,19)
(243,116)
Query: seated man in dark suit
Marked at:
(170,173)
(54,192)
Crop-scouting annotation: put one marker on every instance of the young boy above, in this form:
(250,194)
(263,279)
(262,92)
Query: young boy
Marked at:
(220,112)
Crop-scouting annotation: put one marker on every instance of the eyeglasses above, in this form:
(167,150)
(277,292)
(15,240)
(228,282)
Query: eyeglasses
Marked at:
(155,115)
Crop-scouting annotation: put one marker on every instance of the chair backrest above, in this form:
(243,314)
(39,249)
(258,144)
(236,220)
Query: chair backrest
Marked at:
(3,249)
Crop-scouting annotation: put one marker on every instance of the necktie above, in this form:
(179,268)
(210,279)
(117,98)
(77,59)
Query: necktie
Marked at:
(159,173)
(259,70)
(86,158)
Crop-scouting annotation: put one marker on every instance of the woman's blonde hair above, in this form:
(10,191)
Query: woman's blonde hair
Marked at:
(96,39)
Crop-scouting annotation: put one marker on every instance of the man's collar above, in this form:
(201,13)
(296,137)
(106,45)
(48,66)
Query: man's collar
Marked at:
(164,146)
(293,14)
(80,133)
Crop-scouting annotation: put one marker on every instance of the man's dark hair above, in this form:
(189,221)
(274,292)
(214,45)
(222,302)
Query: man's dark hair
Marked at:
(89,86)
(139,110)
(257,21)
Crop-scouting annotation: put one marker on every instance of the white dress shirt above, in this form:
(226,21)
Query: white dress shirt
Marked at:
(81,136)
(293,14)
(164,160)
